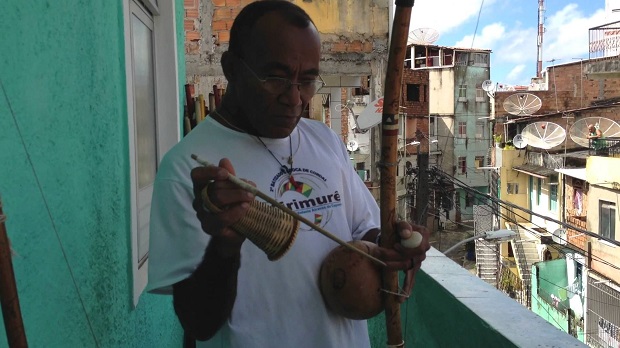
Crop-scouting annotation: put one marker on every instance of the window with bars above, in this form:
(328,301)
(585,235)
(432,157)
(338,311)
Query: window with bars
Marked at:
(462,161)
(461,58)
(513,188)
(479,130)
(462,132)
(480,59)
(480,93)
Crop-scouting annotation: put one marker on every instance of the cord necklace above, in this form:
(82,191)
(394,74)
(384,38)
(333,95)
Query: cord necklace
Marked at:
(283,168)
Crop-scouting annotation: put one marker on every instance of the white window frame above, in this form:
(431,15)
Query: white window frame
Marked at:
(611,206)
(166,109)
(462,129)
(462,93)
(480,130)
(480,95)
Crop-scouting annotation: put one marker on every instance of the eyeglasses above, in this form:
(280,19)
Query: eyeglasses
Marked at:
(278,85)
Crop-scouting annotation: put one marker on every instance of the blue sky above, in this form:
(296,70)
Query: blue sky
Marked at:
(509,28)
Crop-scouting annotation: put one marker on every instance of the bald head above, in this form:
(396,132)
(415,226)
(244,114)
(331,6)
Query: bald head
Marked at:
(243,31)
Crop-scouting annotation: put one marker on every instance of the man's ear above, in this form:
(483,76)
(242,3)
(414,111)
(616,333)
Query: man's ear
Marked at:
(228,64)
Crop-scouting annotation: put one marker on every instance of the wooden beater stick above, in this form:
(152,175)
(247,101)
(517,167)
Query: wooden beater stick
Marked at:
(244,185)
(9,299)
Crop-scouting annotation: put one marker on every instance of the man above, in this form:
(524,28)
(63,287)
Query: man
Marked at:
(224,288)
(595,134)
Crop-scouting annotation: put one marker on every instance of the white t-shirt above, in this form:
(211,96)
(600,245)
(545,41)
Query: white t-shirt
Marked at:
(278,303)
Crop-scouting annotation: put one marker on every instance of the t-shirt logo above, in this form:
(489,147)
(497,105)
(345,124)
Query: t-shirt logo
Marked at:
(306,192)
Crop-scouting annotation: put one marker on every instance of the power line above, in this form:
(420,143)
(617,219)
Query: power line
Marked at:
(510,219)
(459,183)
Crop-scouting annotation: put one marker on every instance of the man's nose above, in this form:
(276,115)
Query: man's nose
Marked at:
(292,96)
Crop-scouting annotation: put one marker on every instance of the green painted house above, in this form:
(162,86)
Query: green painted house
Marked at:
(89,102)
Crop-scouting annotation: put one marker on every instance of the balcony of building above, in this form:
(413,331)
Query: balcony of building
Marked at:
(606,147)
(604,46)
(450,307)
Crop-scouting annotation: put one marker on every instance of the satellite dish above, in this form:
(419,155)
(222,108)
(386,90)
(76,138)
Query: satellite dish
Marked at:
(522,104)
(559,236)
(489,87)
(422,36)
(543,135)
(519,141)
(352,145)
(371,115)
(579,131)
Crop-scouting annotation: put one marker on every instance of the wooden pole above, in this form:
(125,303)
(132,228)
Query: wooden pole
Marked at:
(11,313)
(388,164)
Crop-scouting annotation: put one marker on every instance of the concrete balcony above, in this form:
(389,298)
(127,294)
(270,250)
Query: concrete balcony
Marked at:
(450,307)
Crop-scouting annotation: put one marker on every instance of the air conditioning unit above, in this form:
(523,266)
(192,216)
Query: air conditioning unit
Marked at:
(463,99)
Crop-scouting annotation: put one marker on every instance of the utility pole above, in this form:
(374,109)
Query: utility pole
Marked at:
(541,30)
(580,80)
(422,189)
(555,89)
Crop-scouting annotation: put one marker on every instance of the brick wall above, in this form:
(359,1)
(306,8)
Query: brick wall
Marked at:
(568,81)
(574,237)
(191,25)
(417,111)
(565,94)
(224,13)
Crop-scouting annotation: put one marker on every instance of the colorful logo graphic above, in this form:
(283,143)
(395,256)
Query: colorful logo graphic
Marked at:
(306,192)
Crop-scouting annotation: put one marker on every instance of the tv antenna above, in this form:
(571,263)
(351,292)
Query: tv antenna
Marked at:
(489,87)
(543,135)
(522,104)
(579,131)
(422,36)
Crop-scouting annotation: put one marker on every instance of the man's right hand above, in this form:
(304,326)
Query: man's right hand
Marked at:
(232,201)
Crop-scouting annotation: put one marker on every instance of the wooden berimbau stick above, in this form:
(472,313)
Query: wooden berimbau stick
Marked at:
(242,184)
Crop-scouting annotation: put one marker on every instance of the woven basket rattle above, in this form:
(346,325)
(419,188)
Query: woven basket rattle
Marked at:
(270,229)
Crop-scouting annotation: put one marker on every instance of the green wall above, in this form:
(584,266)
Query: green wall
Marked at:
(549,278)
(433,317)
(64,176)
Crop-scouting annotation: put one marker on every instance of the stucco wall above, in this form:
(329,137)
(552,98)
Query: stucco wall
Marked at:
(441,91)
(507,159)
(601,189)
(63,84)
(354,37)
